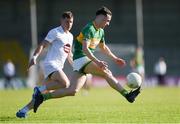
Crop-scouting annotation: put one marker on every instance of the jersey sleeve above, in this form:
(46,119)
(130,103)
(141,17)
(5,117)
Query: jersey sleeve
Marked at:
(51,36)
(86,34)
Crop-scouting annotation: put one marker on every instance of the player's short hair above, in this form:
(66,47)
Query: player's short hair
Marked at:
(103,11)
(67,14)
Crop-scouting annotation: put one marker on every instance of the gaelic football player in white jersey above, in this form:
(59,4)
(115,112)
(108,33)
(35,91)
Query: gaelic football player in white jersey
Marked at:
(59,42)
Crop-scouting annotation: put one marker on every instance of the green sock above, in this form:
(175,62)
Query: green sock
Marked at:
(124,92)
(47,96)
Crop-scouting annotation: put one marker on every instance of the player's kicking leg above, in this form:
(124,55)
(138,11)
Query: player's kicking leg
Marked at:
(132,95)
(113,82)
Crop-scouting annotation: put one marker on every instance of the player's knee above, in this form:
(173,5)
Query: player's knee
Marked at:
(67,84)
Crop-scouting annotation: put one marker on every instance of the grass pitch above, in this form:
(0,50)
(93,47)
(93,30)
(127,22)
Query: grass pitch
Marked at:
(101,105)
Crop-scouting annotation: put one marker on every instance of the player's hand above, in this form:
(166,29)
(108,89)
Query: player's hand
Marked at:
(31,63)
(102,64)
(120,62)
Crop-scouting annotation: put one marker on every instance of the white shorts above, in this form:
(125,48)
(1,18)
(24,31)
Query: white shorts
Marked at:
(79,63)
(48,69)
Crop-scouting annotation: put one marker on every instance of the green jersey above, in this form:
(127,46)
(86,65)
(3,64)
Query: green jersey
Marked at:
(88,34)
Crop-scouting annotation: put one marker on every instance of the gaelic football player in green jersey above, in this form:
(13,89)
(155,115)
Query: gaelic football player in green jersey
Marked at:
(84,61)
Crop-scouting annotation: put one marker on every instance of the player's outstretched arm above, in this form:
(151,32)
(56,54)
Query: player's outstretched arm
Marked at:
(90,55)
(37,52)
(105,49)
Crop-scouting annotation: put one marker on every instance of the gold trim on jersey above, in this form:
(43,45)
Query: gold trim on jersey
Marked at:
(93,41)
(80,37)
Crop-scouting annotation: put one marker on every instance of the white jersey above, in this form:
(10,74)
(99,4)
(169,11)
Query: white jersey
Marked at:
(57,52)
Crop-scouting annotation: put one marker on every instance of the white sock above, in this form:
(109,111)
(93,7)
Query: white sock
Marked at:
(25,109)
(42,88)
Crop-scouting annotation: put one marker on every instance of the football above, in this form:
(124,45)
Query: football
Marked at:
(134,80)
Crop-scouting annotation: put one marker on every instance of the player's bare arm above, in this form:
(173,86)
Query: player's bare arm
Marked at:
(105,49)
(89,54)
(70,58)
(37,52)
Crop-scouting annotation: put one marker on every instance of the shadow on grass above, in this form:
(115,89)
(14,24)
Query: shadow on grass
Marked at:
(6,118)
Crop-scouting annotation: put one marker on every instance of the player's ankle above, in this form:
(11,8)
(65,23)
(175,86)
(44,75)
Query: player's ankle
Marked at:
(24,110)
(124,92)
(42,88)
(47,96)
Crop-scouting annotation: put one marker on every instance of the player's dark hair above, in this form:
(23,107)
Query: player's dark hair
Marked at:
(67,14)
(103,11)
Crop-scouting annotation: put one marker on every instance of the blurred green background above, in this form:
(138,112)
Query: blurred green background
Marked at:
(161,21)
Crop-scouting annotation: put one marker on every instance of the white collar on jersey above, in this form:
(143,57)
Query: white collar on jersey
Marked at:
(60,28)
